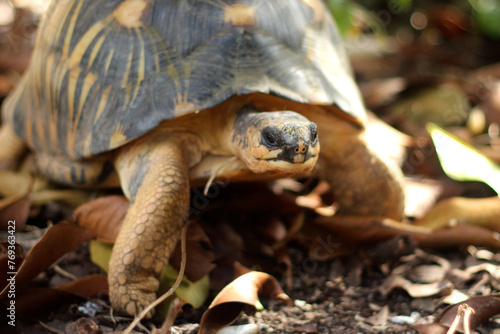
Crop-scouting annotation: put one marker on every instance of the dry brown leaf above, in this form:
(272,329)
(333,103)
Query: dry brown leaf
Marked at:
(39,300)
(368,229)
(461,235)
(484,307)
(240,295)
(103,216)
(416,290)
(200,256)
(14,212)
(379,318)
(373,229)
(427,273)
(430,328)
(483,212)
(57,241)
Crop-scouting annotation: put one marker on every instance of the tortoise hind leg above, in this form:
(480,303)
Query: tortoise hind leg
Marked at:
(13,148)
(96,173)
(363,183)
(154,176)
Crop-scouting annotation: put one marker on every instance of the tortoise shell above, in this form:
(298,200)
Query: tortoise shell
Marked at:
(105,72)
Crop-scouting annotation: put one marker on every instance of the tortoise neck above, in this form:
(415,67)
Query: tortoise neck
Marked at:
(242,120)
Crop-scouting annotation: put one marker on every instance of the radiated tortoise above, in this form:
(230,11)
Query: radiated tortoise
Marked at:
(141,93)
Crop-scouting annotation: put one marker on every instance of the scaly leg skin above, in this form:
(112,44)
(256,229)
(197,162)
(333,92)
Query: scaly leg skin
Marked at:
(12,150)
(363,184)
(155,178)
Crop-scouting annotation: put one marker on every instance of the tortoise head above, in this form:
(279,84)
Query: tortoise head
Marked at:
(275,142)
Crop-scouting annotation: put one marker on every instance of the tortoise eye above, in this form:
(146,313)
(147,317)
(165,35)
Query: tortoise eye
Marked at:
(314,134)
(271,137)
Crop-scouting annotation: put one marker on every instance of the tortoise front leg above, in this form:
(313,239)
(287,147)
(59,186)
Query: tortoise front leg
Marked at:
(154,177)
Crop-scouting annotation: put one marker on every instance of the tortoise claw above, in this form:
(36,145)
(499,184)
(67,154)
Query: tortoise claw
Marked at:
(132,299)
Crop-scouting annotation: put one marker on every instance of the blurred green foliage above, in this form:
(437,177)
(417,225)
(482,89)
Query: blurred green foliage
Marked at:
(487,16)
(342,12)
(484,14)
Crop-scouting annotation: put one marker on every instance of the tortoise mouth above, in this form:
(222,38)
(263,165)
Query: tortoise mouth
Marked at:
(281,166)
(288,162)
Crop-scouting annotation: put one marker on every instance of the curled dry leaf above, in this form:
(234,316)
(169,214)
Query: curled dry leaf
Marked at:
(431,328)
(461,235)
(369,229)
(240,295)
(483,308)
(427,273)
(491,268)
(416,290)
(483,212)
(57,241)
(103,216)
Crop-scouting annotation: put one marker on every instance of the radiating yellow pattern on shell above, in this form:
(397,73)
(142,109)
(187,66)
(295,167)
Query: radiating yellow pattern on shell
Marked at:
(138,63)
(239,15)
(129,13)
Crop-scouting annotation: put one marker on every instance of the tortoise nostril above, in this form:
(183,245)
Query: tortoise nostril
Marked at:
(300,149)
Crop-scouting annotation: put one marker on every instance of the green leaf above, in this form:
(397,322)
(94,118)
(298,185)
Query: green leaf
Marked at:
(461,161)
(194,293)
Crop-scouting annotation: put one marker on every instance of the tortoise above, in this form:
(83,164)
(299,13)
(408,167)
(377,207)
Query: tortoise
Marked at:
(152,95)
